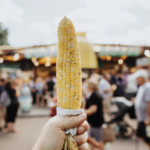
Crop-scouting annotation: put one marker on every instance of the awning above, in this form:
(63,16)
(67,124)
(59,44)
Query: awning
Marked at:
(117,50)
(41,51)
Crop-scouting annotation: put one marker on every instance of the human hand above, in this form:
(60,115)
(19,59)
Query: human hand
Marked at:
(147,122)
(133,99)
(113,87)
(52,136)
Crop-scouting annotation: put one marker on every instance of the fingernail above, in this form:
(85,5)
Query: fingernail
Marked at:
(82,116)
(81,130)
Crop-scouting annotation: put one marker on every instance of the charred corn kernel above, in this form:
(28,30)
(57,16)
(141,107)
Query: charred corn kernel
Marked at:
(69,84)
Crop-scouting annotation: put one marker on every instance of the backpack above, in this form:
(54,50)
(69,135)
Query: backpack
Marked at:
(4,99)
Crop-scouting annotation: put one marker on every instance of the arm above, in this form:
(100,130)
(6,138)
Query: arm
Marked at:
(147,121)
(45,86)
(133,99)
(113,88)
(147,98)
(107,91)
(107,88)
(17,93)
(83,103)
(148,109)
(91,110)
(93,142)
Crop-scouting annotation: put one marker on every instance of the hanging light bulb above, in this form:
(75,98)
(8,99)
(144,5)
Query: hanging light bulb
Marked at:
(120,61)
(36,63)
(16,57)
(1,60)
(108,58)
(33,59)
(47,64)
(147,53)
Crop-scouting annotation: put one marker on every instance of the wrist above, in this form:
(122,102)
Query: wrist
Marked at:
(39,146)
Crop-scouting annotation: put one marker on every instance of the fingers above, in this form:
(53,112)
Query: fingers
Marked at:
(81,139)
(84,146)
(71,122)
(83,128)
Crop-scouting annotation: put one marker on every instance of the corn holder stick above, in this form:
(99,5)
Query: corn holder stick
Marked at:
(69,84)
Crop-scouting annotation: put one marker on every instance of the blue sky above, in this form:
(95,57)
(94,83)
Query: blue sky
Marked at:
(35,22)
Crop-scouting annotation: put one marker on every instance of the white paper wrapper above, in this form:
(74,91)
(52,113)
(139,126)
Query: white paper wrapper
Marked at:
(66,112)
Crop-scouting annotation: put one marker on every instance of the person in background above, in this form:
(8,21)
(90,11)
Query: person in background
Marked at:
(105,90)
(12,109)
(54,79)
(50,84)
(32,88)
(142,106)
(31,83)
(84,78)
(19,82)
(125,76)
(39,86)
(113,78)
(2,117)
(53,103)
(120,85)
(2,109)
(94,111)
(2,84)
(131,86)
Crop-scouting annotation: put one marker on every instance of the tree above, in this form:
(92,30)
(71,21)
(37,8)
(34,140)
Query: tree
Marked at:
(3,36)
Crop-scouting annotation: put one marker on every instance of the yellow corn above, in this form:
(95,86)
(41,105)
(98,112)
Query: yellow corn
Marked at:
(69,84)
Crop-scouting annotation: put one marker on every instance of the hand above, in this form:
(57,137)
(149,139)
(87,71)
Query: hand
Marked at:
(113,87)
(147,122)
(52,136)
(133,99)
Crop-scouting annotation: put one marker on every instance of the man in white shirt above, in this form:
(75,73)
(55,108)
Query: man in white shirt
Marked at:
(104,86)
(142,106)
(131,87)
(105,90)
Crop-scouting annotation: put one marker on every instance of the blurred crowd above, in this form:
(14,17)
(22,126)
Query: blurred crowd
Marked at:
(99,92)
(16,92)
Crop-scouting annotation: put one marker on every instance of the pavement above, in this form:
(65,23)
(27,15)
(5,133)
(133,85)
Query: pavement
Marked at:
(30,128)
(31,123)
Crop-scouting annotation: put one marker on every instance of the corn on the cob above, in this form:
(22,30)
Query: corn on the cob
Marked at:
(69,84)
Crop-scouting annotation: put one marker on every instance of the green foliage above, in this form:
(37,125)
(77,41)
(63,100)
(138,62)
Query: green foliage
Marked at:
(3,36)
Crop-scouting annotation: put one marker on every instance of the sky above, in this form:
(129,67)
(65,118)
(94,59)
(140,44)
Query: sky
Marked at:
(35,22)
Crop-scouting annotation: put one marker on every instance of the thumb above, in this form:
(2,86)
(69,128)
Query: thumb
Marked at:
(67,123)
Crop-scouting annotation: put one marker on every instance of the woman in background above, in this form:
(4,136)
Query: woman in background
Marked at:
(94,111)
(53,103)
(39,86)
(12,109)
